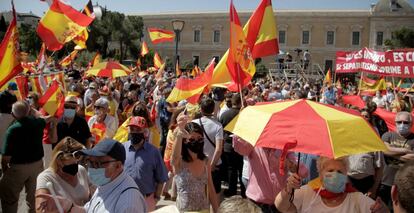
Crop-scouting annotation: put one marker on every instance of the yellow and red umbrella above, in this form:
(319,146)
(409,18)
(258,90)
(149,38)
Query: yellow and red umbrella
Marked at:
(315,128)
(110,69)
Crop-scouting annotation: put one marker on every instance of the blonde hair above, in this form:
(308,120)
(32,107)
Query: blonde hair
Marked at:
(320,163)
(239,205)
(65,146)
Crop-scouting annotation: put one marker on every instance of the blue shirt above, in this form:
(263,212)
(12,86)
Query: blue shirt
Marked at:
(145,166)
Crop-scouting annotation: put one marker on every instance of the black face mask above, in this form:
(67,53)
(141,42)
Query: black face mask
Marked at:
(195,146)
(136,138)
(130,101)
(71,169)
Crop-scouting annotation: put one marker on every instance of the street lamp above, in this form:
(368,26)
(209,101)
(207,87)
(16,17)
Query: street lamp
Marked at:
(178,26)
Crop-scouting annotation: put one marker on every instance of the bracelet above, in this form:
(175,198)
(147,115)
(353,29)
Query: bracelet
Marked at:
(70,209)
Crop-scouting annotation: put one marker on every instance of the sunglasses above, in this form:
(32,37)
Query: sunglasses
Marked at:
(77,155)
(402,122)
(98,164)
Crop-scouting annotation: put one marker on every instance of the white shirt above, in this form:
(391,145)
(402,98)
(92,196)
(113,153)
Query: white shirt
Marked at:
(116,197)
(214,130)
(111,125)
(78,194)
(379,101)
(306,201)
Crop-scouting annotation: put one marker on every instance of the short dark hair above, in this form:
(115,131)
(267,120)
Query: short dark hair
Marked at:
(236,100)
(207,106)
(404,181)
(190,128)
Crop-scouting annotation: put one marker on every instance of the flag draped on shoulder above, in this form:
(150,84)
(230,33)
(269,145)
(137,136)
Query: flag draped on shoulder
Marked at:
(261,35)
(157,61)
(53,100)
(191,89)
(160,35)
(61,24)
(144,49)
(10,64)
(69,59)
(239,62)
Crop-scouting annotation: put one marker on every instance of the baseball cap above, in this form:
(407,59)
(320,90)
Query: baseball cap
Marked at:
(104,91)
(138,121)
(93,85)
(102,102)
(107,147)
(12,86)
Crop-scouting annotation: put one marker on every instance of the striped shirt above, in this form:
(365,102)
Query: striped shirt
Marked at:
(120,195)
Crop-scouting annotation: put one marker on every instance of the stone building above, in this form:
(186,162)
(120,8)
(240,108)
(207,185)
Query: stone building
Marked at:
(322,32)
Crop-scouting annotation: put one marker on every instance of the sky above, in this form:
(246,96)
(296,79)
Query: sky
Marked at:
(157,6)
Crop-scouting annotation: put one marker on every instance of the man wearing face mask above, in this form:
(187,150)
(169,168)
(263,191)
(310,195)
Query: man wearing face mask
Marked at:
(144,162)
(73,125)
(400,146)
(22,157)
(102,125)
(116,190)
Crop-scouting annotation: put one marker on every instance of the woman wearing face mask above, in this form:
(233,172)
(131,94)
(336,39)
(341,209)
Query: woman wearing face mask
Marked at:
(195,187)
(330,192)
(69,179)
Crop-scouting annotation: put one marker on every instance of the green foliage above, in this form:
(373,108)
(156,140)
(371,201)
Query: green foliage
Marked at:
(29,41)
(3,27)
(84,58)
(402,38)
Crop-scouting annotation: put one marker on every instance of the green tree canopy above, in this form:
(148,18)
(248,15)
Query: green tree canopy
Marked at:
(402,38)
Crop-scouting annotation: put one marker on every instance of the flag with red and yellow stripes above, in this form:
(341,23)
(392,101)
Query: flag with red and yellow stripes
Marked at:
(157,61)
(261,35)
(328,78)
(239,62)
(80,39)
(39,82)
(191,89)
(61,24)
(53,100)
(178,72)
(69,59)
(160,35)
(144,49)
(10,64)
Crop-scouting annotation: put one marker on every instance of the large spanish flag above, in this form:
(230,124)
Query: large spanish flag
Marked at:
(10,64)
(157,61)
(53,100)
(80,39)
(61,24)
(239,61)
(160,35)
(144,49)
(191,89)
(261,35)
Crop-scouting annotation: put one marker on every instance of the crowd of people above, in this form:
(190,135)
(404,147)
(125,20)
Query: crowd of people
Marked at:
(121,147)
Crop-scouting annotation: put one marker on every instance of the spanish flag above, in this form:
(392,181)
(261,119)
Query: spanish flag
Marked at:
(69,59)
(41,59)
(371,86)
(10,64)
(160,35)
(61,24)
(239,61)
(328,78)
(96,59)
(261,35)
(53,100)
(195,71)
(144,49)
(191,89)
(39,82)
(80,39)
(160,72)
(157,61)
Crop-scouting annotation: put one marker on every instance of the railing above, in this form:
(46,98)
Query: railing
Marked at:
(289,70)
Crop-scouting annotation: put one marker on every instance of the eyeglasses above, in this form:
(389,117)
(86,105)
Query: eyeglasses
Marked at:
(98,164)
(403,122)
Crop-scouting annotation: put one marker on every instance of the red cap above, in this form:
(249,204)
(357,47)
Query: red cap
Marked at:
(138,122)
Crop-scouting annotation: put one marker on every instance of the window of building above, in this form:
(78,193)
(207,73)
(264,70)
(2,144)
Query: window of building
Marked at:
(216,36)
(330,37)
(196,59)
(328,65)
(355,38)
(197,36)
(216,59)
(380,38)
(305,37)
(282,37)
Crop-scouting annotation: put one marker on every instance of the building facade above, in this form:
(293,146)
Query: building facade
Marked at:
(22,18)
(322,32)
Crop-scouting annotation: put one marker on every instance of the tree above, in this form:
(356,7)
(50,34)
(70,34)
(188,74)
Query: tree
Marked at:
(402,38)
(29,40)
(3,27)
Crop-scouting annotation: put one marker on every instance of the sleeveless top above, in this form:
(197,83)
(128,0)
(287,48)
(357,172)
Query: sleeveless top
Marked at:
(192,195)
